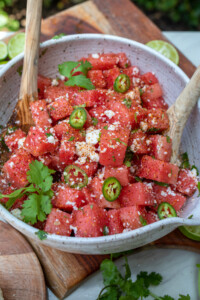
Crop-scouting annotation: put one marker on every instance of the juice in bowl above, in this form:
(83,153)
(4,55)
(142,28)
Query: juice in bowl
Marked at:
(103,134)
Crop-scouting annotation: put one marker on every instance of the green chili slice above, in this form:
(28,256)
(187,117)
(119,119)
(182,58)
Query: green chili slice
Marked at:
(75,177)
(111,189)
(78,118)
(122,83)
(166,210)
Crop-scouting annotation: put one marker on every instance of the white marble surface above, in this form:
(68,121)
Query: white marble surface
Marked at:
(177,267)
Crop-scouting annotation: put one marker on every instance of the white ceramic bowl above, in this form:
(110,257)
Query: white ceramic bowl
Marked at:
(172,80)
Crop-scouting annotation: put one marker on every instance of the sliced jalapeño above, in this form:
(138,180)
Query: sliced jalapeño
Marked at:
(78,118)
(111,189)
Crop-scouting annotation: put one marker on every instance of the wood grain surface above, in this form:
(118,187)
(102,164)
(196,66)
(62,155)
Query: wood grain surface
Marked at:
(65,271)
(21,275)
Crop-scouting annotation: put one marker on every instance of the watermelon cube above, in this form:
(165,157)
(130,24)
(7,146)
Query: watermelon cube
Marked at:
(132,71)
(53,93)
(158,170)
(151,217)
(96,189)
(149,78)
(138,193)
(161,147)
(89,221)
(41,140)
(156,103)
(121,173)
(137,115)
(130,217)
(102,61)
(157,120)
(39,113)
(90,167)
(89,97)
(68,199)
(110,76)
(139,142)
(100,114)
(63,128)
(113,145)
(124,62)
(42,83)
(187,182)
(97,78)
(119,112)
(58,222)
(167,194)
(59,109)
(114,222)
(13,140)
(15,169)
(67,151)
(151,92)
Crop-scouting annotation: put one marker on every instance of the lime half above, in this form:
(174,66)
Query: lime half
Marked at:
(16,45)
(3,51)
(165,49)
(3,18)
(192,232)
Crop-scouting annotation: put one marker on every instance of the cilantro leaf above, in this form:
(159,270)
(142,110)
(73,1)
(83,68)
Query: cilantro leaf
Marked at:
(166,297)
(182,297)
(150,279)
(128,270)
(110,273)
(42,235)
(83,67)
(66,68)
(185,161)
(30,209)
(80,80)
(58,36)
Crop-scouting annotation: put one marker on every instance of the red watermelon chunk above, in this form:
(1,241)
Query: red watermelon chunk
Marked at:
(89,97)
(161,147)
(132,71)
(59,109)
(39,113)
(16,168)
(67,151)
(90,167)
(157,120)
(99,113)
(119,112)
(58,222)
(113,144)
(130,217)
(53,93)
(42,83)
(149,78)
(110,76)
(114,222)
(187,182)
(68,199)
(124,62)
(96,189)
(97,78)
(139,142)
(63,128)
(156,103)
(137,194)
(153,91)
(151,217)
(166,194)
(89,221)
(41,140)
(137,116)
(158,170)
(12,140)
(45,159)
(121,173)
(102,61)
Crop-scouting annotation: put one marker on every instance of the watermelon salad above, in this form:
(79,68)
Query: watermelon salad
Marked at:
(97,161)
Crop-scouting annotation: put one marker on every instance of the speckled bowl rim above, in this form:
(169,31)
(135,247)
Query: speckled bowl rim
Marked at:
(23,227)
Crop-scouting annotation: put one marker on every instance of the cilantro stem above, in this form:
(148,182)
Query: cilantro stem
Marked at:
(105,287)
(198,281)
(154,296)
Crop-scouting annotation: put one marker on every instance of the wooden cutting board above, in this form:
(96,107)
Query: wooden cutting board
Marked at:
(65,271)
(21,275)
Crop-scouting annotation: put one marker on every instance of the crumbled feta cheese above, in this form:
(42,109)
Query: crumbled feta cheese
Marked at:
(21,142)
(109,113)
(95,55)
(87,150)
(92,135)
(51,139)
(54,82)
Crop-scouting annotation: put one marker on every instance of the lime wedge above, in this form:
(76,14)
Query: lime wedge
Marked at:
(165,49)
(192,232)
(16,45)
(3,50)
(3,18)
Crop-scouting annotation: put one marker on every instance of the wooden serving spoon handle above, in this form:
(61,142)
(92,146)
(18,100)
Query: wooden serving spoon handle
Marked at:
(28,88)
(179,112)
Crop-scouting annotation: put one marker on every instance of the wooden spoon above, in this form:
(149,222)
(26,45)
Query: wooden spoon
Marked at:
(179,112)
(28,88)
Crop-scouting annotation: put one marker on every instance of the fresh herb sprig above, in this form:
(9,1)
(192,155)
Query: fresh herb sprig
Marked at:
(38,203)
(121,287)
(69,70)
